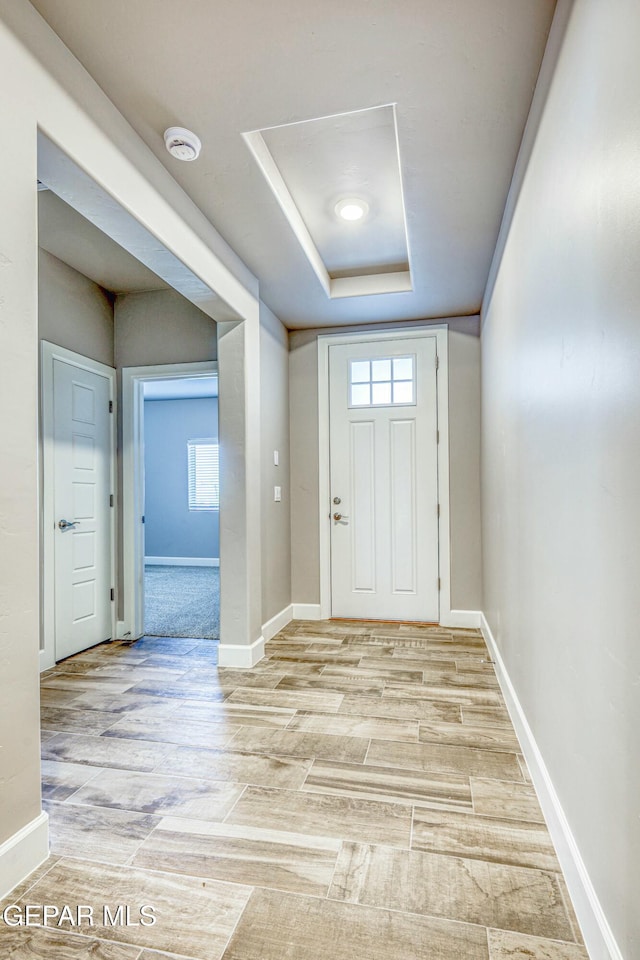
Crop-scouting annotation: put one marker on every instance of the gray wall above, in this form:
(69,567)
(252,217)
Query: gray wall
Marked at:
(464,465)
(171,529)
(464,440)
(86,123)
(276,519)
(561,448)
(74,312)
(161,327)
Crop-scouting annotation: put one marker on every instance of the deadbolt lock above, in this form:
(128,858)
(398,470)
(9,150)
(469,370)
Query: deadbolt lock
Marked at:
(337,500)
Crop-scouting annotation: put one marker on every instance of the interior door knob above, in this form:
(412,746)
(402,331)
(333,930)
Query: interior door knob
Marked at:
(340,516)
(66,524)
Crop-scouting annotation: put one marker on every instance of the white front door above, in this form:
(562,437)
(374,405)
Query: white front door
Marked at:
(384,480)
(82,489)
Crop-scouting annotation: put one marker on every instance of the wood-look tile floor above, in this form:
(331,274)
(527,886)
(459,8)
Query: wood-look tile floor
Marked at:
(358,795)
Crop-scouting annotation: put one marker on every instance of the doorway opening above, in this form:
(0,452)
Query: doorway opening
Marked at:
(171,501)
(180,461)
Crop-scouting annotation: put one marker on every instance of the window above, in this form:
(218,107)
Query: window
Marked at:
(204,475)
(388,381)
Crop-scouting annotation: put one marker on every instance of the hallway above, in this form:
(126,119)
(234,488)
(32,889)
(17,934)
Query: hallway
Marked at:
(357,794)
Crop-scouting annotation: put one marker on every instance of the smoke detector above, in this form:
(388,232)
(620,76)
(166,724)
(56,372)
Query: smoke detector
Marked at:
(182,143)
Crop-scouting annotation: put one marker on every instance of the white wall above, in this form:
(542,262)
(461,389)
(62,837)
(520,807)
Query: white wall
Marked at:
(561,450)
(464,440)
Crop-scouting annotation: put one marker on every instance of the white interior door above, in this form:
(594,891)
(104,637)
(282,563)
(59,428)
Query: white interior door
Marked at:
(384,479)
(82,489)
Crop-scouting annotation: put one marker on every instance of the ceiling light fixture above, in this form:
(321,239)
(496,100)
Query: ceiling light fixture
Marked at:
(182,143)
(352,209)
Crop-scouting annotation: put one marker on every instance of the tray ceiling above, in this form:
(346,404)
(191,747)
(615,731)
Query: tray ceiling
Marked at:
(315,165)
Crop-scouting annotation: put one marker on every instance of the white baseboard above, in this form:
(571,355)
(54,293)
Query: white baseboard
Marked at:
(597,933)
(462,618)
(183,561)
(273,626)
(23,852)
(240,654)
(307,611)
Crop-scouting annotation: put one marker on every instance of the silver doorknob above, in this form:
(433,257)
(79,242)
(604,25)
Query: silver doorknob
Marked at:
(67,524)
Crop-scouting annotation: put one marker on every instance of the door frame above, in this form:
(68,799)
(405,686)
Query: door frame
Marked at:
(133,380)
(49,352)
(441,334)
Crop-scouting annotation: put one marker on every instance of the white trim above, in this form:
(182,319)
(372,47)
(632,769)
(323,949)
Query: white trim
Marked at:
(182,561)
(274,178)
(598,936)
(462,618)
(48,353)
(441,334)
(308,611)
(46,659)
(133,478)
(241,654)
(22,853)
(277,623)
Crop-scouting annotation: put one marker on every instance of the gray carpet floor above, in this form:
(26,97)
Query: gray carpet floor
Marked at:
(182,601)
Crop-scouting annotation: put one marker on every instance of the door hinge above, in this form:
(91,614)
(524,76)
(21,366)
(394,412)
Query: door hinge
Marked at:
(437,362)
(110,406)
(113,593)
(437,436)
(110,499)
(438,509)
(142,518)
(438,583)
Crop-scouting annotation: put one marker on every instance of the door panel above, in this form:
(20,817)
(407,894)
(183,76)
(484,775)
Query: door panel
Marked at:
(362,517)
(403,505)
(384,473)
(82,487)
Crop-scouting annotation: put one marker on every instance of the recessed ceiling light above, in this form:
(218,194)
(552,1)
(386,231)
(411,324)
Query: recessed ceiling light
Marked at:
(353,208)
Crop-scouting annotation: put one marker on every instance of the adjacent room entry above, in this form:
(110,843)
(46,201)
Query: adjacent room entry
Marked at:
(181,508)
(383,435)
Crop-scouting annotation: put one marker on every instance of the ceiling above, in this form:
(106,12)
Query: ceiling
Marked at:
(460,72)
(68,236)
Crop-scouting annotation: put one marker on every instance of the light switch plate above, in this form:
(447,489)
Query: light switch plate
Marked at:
(277,494)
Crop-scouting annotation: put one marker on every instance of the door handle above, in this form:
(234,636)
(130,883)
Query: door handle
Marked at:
(340,516)
(67,524)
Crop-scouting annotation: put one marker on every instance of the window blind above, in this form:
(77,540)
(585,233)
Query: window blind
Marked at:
(204,474)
